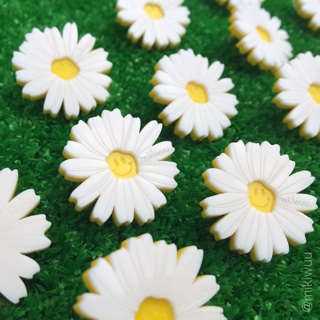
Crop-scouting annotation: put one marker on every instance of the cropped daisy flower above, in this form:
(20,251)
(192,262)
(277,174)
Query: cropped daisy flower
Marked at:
(195,95)
(262,207)
(62,70)
(235,3)
(159,23)
(299,89)
(260,37)
(146,280)
(309,9)
(18,235)
(120,167)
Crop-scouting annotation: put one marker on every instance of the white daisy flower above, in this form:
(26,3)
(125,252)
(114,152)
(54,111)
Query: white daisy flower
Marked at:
(260,200)
(159,23)
(146,280)
(18,235)
(195,95)
(120,167)
(233,4)
(299,89)
(260,37)
(63,70)
(309,9)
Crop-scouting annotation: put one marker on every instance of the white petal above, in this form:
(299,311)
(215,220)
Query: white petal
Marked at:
(90,189)
(95,62)
(19,264)
(101,135)
(8,184)
(159,151)
(188,266)
(160,174)
(70,38)
(148,135)
(39,86)
(144,211)
(174,110)
(296,182)
(185,124)
(200,292)
(246,234)
(237,152)
(204,313)
(222,181)
(300,202)
(229,224)
(11,286)
(155,196)
(96,306)
(103,278)
(167,93)
(83,96)
(77,150)
(105,204)
(70,104)
(83,47)
(20,206)
(124,205)
(26,235)
(263,246)
(223,203)
(54,98)
(280,243)
(81,169)
(81,133)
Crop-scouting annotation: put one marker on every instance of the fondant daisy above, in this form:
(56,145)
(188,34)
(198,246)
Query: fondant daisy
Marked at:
(146,280)
(159,23)
(120,167)
(195,95)
(18,235)
(299,89)
(260,37)
(62,70)
(309,9)
(262,207)
(236,3)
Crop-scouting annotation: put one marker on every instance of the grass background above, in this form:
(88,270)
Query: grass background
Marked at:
(33,144)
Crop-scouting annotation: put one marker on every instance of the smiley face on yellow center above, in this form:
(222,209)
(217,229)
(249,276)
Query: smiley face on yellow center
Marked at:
(260,196)
(65,68)
(123,165)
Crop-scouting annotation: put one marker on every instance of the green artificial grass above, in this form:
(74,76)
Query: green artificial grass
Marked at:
(33,144)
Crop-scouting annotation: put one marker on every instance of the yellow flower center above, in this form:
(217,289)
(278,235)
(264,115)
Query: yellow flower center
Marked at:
(314,91)
(260,196)
(122,165)
(155,309)
(153,10)
(64,68)
(264,35)
(197,92)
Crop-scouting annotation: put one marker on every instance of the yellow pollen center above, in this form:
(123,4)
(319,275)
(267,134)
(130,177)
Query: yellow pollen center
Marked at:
(260,196)
(155,309)
(153,10)
(264,35)
(122,165)
(64,68)
(197,92)
(314,91)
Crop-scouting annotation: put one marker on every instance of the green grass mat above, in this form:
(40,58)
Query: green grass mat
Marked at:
(33,144)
